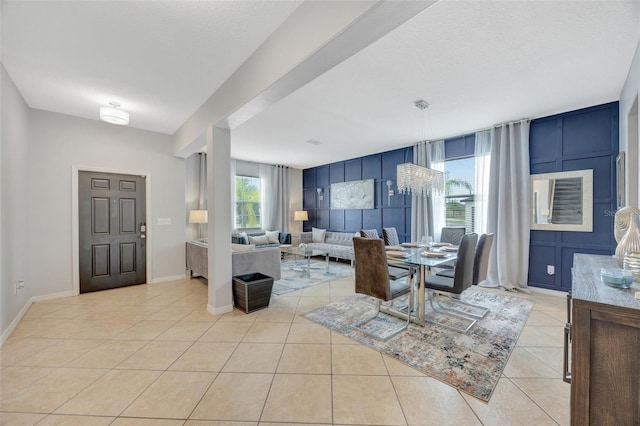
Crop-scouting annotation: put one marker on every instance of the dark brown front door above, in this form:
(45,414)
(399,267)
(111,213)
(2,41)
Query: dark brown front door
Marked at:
(112,232)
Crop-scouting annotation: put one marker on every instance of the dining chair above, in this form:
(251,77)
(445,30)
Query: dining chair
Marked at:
(390,236)
(452,235)
(480,261)
(395,272)
(454,287)
(369,233)
(372,279)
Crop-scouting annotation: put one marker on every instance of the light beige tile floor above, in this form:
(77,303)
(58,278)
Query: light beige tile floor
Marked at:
(153,355)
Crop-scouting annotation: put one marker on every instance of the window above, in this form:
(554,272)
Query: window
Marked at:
(459,177)
(248,198)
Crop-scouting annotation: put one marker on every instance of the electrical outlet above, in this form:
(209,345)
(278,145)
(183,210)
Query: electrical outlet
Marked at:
(551,269)
(19,286)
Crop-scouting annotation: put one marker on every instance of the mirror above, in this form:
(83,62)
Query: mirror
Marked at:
(562,201)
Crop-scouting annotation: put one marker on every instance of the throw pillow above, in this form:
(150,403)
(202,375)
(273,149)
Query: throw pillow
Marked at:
(369,233)
(258,240)
(273,237)
(242,247)
(317,235)
(245,238)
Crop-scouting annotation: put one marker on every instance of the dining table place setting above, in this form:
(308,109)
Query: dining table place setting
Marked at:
(411,245)
(395,248)
(433,254)
(397,253)
(450,248)
(441,244)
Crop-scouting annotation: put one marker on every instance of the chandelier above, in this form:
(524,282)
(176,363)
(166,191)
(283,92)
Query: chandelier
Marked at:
(419,180)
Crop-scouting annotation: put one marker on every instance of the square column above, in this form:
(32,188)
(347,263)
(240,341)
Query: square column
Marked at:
(219,226)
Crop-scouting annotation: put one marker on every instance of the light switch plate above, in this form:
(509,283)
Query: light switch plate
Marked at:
(164,221)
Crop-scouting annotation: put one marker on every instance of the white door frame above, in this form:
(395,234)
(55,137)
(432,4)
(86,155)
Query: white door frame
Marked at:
(75,219)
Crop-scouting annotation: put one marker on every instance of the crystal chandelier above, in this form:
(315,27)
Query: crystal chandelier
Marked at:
(419,180)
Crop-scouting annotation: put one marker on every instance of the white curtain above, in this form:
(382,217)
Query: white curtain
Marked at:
(437,200)
(426,219)
(508,207)
(275,197)
(483,166)
(232,167)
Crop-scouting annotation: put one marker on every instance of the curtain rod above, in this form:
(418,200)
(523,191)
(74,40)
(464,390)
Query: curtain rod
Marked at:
(479,130)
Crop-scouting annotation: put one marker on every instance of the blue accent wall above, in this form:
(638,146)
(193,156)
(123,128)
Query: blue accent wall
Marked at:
(379,167)
(576,140)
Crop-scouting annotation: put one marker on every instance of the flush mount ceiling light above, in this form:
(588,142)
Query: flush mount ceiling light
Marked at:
(114,115)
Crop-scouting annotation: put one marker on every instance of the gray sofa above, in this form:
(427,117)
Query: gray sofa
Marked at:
(263,260)
(337,244)
(243,238)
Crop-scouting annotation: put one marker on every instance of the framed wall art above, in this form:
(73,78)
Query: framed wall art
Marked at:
(357,194)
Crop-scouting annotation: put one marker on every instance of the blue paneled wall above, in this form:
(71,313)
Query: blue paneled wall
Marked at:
(577,140)
(396,211)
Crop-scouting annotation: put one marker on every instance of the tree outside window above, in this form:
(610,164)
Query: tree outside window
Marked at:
(459,193)
(248,198)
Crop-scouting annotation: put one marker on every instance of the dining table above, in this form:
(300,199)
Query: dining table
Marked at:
(416,257)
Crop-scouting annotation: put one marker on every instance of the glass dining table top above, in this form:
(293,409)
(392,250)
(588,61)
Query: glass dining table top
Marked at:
(415,257)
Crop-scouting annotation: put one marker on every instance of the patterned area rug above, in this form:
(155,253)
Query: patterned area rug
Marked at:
(294,275)
(471,362)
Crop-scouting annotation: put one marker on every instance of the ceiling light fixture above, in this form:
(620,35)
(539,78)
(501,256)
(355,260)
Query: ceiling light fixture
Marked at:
(114,115)
(416,179)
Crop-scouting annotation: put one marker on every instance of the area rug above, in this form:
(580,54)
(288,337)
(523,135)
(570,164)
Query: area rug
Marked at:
(294,275)
(471,362)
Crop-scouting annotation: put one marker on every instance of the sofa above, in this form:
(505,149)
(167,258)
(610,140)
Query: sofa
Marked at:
(257,238)
(337,244)
(248,260)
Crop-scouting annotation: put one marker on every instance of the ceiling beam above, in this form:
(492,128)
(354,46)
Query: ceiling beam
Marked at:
(316,37)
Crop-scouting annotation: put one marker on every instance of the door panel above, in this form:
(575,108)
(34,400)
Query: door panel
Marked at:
(112,243)
(100,213)
(101,260)
(127,258)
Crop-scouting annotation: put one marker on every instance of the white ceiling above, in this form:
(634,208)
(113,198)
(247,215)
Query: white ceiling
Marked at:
(477,63)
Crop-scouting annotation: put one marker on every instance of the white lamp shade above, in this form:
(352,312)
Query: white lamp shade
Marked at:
(300,215)
(198,216)
(114,116)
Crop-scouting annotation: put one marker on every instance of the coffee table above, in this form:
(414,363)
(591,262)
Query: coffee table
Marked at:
(308,254)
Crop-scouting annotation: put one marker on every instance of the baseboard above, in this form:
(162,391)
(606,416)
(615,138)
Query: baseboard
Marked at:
(51,296)
(547,291)
(24,310)
(15,322)
(166,279)
(219,311)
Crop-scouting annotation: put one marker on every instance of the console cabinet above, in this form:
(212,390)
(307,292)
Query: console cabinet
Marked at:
(605,347)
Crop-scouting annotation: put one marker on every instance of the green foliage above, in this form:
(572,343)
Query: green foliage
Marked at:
(247,202)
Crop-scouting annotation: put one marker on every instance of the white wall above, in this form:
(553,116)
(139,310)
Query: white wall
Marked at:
(629,129)
(14,223)
(56,143)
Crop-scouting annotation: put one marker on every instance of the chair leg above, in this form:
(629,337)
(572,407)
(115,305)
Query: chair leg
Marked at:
(432,295)
(483,309)
(395,332)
